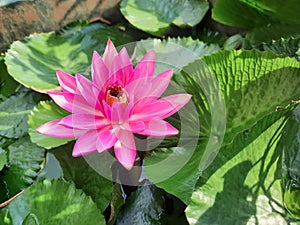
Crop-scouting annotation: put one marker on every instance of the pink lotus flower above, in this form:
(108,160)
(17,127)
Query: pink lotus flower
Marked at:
(119,102)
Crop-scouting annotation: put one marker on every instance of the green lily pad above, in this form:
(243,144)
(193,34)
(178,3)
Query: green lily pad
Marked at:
(155,16)
(54,202)
(44,112)
(77,170)
(243,184)
(24,162)
(14,113)
(33,61)
(237,95)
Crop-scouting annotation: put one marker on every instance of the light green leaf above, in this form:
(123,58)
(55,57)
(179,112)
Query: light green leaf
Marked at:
(14,113)
(174,53)
(54,202)
(155,16)
(44,112)
(237,94)
(248,87)
(33,61)
(243,183)
(77,170)
(144,206)
(3,158)
(25,161)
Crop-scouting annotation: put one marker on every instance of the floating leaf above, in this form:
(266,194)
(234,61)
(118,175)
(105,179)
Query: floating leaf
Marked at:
(155,16)
(54,202)
(239,14)
(14,113)
(174,53)
(288,46)
(239,93)
(24,162)
(44,112)
(268,33)
(33,61)
(243,184)
(84,176)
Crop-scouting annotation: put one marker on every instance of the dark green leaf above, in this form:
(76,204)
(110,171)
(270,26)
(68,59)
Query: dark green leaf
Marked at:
(239,14)
(116,203)
(52,169)
(54,202)
(84,176)
(8,85)
(14,113)
(288,46)
(155,16)
(24,162)
(272,32)
(3,158)
(144,206)
(287,11)
(289,145)
(44,112)
(33,61)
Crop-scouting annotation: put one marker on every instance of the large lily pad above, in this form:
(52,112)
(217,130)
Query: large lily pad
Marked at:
(54,202)
(242,94)
(33,61)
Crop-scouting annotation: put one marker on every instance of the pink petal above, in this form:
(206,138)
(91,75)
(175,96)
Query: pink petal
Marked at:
(118,115)
(136,126)
(84,121)
(146,67)
(160,83)
(106,110)
(161,108)
(66,81)
(145,87)
(106,139)
(53,129)
(99,71)
(85,144)
(109,53)
(60,99)
(85,88)
(121,69)
(158,128)
(125,149)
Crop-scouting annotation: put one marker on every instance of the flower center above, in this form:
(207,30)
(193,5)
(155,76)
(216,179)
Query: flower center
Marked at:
(115,93)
